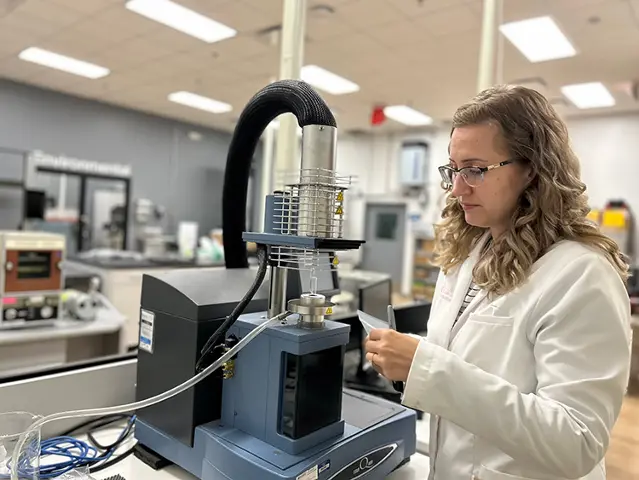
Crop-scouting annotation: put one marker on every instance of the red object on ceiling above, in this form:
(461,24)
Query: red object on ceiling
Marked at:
(378,117)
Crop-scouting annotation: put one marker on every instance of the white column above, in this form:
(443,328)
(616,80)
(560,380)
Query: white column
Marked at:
(488,46)
(287,156)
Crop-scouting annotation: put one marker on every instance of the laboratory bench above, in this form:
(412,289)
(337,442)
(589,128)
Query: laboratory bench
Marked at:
(131,468)
(121,283)
(67,341)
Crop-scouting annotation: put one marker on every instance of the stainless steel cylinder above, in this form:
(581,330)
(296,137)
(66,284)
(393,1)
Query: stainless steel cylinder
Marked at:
(312,300)
(277,292)
(317,192)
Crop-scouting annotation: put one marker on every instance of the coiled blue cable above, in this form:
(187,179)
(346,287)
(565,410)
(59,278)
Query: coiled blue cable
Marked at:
(78,454)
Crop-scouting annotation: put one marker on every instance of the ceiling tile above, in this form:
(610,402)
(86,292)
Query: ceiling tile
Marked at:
(401,34)
(125,22)
(246,18)
(15,39)
(415,8)
(365,14)
(54,14)
(454,20)
(326,28)
(85,6)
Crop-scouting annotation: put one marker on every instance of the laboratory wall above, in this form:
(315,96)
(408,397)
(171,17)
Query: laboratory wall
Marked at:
(169,168)
(607,146)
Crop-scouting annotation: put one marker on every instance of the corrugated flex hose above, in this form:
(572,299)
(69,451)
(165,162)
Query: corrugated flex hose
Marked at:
(284,96)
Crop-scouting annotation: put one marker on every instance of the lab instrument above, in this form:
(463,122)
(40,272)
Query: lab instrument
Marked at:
(277,409)
(31,278)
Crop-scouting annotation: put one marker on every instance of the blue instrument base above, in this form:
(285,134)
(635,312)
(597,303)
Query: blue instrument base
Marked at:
(378,437)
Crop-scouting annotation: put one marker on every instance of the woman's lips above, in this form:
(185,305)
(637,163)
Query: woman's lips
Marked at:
(468,206)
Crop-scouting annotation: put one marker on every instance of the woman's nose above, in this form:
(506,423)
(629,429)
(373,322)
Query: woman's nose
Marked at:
(460,187)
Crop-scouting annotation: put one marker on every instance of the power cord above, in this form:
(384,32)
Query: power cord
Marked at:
(79,454)
(211,343)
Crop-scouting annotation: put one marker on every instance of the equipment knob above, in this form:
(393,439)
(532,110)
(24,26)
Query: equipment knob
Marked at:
(46,312)
(9,266)
(10,314)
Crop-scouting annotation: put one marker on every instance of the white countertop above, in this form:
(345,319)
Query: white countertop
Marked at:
(133,469)
(105,323)
(423,434)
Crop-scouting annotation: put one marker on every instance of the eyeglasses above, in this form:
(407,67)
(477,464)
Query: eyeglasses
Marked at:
(473,176)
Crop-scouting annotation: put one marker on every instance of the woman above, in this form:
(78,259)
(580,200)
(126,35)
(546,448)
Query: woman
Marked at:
(527,356)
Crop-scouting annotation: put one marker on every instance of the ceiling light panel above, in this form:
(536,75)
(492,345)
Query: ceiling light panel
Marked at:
(407,115)
(538,39)
(327,81)
(201,103)
(63,63)
(182,19)
(588,95)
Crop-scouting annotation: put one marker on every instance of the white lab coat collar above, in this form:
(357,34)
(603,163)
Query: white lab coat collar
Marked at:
(461,279)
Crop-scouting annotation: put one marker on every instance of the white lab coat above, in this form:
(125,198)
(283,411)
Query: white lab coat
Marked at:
(528,385)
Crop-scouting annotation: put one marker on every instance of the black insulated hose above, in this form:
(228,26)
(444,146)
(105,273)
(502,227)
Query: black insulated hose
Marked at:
(284,96)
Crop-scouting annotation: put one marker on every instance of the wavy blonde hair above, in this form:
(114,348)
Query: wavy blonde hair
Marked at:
(552,208)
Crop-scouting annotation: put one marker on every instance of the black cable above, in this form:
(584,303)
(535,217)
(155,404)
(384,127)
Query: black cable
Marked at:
(127,431)
(112,462)
(262,256)
(99,423)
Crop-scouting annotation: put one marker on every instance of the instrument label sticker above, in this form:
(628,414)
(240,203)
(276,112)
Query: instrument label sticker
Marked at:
(310,474)
(147,319)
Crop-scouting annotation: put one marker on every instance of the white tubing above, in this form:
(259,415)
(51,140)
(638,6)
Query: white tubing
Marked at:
(94,412)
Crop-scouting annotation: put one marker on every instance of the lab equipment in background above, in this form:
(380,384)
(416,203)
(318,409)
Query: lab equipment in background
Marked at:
(303,425)
(31,278)
(187,239)
(617,221)
(115,228)
(149,228)
(413,165)
(83,305)
(93,177)
(425,274)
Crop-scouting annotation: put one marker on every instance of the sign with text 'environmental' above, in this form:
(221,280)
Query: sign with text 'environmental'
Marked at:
(62,164)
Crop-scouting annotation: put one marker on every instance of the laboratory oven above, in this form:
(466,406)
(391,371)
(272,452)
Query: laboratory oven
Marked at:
(31,278)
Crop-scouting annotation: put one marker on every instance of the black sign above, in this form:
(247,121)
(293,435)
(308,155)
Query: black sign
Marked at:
(365,463)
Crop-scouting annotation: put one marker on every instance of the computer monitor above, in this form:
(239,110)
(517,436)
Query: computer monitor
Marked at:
(375,298)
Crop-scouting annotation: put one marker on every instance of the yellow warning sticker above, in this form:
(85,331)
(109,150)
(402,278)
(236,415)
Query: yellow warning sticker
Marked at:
(336,261)
(340,197)
(340,211)
(329,311)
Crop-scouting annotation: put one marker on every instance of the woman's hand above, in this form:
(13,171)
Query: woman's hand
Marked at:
(391,353)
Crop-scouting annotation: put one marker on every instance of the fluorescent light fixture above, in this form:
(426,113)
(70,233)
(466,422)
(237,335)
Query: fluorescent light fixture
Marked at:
(182,19)
(63,63)
(588,95)
(407,115)
(197,101)
(327,81)
(538,39)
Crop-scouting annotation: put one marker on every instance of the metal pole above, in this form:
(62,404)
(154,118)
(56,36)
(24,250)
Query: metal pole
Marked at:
(291,60)
(486,77)
(287,148)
